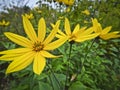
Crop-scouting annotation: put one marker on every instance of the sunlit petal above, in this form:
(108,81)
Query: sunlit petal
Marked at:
(67,27)
(106,30)
(10,57)
(41,29)
(61,33)
(86,37)
(16,51)
(81,30)
(29,29)
(110,35)
(77,27)
(53,33)
(18,39)
(56,44)
(48,55)
(97,26)
(87,31)
(21,62)
(38,64)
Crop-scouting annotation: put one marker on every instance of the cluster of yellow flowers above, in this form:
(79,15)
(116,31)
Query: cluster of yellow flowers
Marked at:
(36,47)
(4,23)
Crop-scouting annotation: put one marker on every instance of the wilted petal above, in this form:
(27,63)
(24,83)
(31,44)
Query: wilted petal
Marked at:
(38,64)
(18,39)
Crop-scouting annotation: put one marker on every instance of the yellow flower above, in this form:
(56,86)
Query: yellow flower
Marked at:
(86,12)
(85,21)
(67,9)
(29,16)
(34,48)
(66,2)
(61,17)
(4,23)
(39,11)
(104,33)
(78,34)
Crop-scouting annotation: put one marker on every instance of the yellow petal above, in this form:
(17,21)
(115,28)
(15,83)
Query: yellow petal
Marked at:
(29,30)
(53,33)
(86,37)
(77,27)
(87,32)
(61,33)
(67,27)
(97,26)
(55,44)
(41,29)
(48,55)
(38,64)
(110,35)
(10,57)
(106,30)
(18,39)
(21,62)
(59,36)
(16,51)
(81,30)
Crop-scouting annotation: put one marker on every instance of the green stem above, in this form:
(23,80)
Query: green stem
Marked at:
(85,56)
(68,68)
(54,76)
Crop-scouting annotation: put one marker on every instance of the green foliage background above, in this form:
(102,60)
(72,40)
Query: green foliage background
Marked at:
(99,70)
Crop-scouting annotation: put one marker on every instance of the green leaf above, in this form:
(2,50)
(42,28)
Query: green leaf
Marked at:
(78,86)
(44,86)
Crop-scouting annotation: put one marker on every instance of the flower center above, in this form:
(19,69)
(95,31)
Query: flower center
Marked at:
(38,46)
(72,38)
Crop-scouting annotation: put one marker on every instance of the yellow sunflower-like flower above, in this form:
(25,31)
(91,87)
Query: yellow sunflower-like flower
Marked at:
(86,12)
(66,2)
(78,34)
(34,48)
(105,33)
(4,23)
(29,16)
